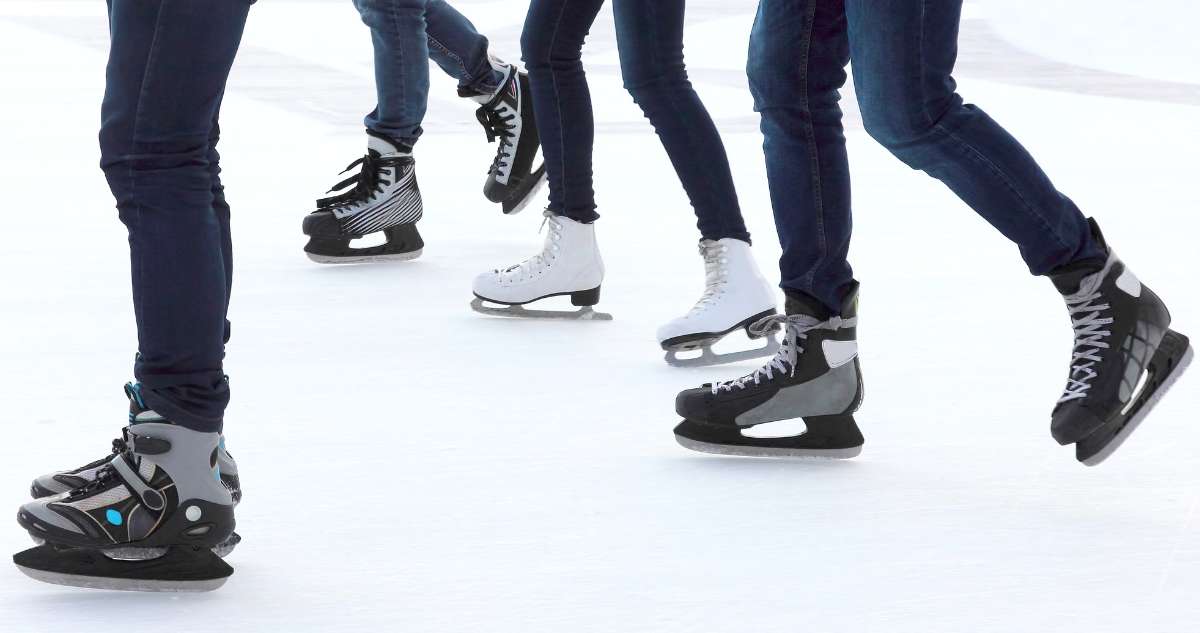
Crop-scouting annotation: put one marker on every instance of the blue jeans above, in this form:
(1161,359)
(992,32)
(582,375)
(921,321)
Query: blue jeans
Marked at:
(166,76)
(408,33)
(903,52)
(650,40)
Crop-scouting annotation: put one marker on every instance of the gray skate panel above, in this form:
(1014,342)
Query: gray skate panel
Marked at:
(830,393)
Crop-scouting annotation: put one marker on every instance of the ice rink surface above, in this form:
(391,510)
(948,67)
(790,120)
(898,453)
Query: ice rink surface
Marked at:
(412,466)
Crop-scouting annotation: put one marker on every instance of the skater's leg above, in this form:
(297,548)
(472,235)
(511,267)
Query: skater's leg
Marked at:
(166,74)
(650,36)
(904,53)
(222,211)
(552,45)
(460,50)
(798,54)
(398,30)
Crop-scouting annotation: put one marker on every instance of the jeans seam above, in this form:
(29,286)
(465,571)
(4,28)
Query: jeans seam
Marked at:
(814,153)
(139,266)
(562,134)
(399,50)
(970,150)
(449,53)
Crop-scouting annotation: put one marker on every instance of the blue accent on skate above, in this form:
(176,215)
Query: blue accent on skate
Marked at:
(217,473)
(114,517)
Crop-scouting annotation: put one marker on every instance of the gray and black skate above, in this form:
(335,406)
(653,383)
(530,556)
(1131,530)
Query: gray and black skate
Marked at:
(383,197)
(507,117)
(814,377)
(1125,358)
(67,480)
(147,521)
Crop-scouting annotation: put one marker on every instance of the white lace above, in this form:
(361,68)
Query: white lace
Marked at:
(784,363)
(716,274)
(1090,338)
(541,261)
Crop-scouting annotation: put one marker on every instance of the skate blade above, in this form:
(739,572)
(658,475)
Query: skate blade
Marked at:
(1184,362)
(514,311)
(537,187)
(364,259)
(768,451)
(708,358)
(122,584)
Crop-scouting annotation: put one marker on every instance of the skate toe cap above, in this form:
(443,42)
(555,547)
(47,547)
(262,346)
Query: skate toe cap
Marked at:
(39,518)
(1072,423)
(46,486)
(321,223)
(692,404)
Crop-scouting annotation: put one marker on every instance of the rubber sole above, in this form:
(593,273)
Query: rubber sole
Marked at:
(1085,449)
(700,340)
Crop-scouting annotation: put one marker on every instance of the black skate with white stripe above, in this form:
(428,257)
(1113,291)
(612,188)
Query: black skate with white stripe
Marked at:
(1125,358)
(507,117)
(147,521)
(383,197)
(63,481)
(815,377)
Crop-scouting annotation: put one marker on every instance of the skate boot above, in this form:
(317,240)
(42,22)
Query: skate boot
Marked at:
(382,197)
(1125,358)
(68,480)
(507,116)
(815,377)
(147,521)
(569,264)
(735,297)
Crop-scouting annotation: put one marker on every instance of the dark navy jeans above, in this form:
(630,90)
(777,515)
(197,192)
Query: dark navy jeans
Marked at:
(408,33)
(903,54)
(650,39)
(166,75)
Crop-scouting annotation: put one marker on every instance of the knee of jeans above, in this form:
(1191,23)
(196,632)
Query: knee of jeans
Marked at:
(539,50)
(157,155)
(646,87)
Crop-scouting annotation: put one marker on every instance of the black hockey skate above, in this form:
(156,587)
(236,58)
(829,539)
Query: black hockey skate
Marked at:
(1125,358)
(382,197)
(147,521)
(508,117)
(68,480)
(815,377)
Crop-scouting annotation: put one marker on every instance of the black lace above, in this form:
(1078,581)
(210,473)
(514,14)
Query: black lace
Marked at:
(366,183)
(105,474)
(497,126)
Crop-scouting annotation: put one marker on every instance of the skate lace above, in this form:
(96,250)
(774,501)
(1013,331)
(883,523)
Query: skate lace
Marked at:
(1090,339)
(715,275)
(549,252)
(364,185)
(104,474)
(787,358)
(498,125)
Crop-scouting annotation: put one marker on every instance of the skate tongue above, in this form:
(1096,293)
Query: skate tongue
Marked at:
(1068,279)
(385,146)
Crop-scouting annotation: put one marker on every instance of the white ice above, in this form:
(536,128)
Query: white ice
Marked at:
(412,466)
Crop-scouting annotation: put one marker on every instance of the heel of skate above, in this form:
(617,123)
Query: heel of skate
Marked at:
(586,298)
(823,437)
(1172,358)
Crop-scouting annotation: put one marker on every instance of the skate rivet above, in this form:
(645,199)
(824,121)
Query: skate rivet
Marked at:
(192,513)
